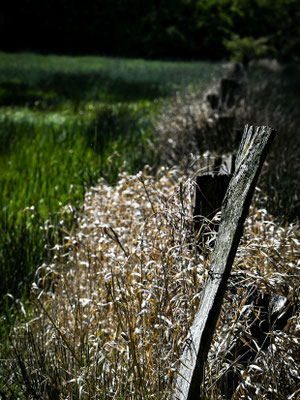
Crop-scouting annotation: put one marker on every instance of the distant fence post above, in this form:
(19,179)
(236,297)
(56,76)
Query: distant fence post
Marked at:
(250,158)
(229,90)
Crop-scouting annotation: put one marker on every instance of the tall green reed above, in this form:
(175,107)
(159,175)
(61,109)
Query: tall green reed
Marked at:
(46,163)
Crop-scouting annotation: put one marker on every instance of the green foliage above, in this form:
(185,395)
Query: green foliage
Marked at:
(247,48)
(192,29)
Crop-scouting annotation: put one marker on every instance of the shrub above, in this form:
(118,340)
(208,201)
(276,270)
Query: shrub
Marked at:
(245,49)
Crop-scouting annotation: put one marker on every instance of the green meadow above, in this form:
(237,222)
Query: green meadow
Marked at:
(64,123)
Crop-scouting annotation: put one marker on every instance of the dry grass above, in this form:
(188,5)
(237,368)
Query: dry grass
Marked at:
(188,128)
(112,312)
(272,98)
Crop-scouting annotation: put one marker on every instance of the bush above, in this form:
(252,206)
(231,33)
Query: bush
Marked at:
(245,49)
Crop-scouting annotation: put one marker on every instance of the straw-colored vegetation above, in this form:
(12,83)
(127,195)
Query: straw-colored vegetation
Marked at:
(112,311)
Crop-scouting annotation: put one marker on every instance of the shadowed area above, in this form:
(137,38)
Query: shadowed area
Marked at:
(55,89)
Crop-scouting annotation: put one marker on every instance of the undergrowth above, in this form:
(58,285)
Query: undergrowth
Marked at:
(273,99)
(111,312)
(192,130)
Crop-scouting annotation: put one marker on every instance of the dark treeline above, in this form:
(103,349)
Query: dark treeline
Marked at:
(185,29)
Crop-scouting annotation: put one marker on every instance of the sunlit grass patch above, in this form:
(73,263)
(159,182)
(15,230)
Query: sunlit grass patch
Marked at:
(48,161)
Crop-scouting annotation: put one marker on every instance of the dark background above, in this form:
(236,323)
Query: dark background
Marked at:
(162,29)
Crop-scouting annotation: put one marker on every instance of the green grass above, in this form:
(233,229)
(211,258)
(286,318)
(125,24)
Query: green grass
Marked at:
(52,82)
(61,120)
(46,163)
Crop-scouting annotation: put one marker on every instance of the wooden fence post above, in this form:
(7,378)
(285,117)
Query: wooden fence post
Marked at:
(229,89)
(250,157)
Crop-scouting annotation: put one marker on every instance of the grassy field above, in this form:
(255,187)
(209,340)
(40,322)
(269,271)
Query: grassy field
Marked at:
(52,82)
(64,123)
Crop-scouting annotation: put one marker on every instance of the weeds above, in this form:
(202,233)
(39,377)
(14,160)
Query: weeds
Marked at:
(189,129)
(112,311)
(273,99)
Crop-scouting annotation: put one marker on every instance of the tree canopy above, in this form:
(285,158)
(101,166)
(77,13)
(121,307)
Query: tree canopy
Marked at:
(185,29)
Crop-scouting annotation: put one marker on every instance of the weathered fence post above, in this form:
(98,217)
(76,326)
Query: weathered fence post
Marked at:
(229,88)
(250,157)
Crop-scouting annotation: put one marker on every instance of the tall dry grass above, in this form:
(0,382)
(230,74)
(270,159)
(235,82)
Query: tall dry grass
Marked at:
(111,313)
(272,98)
(269,95)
